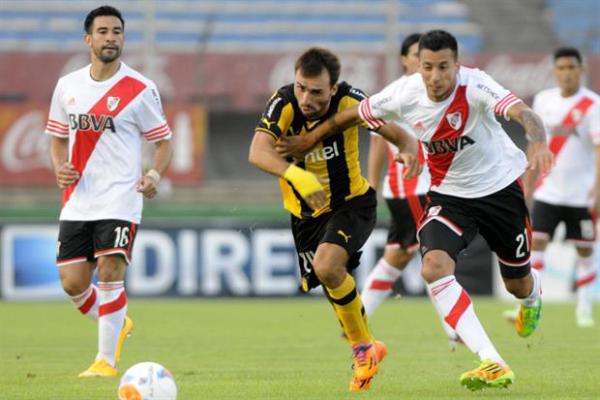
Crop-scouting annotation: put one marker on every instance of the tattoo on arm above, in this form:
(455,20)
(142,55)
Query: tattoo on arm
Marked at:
(533,126)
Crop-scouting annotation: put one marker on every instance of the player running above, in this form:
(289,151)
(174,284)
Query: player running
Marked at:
(99,116)
(405,199)
(474,169)
(571,192)
(332,206)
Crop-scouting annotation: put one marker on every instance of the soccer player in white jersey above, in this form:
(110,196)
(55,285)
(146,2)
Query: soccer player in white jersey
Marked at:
(475,169)
(405,199)
(571,192)
(99,116)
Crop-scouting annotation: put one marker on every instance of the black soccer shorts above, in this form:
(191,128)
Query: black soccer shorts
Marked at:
(406,214)
(80,241)
(450,223)
(579,222)
(349,226)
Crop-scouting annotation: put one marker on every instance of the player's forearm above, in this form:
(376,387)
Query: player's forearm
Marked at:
(59,152)
(264,156)
(375,162)
(398,136)
(530,121)
(336,124)
(162,156)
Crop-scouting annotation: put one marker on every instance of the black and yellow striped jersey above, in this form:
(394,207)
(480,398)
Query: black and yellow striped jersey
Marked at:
(335,159)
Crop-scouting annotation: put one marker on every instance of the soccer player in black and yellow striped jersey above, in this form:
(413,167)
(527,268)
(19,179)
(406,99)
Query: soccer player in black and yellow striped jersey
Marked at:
(331,203)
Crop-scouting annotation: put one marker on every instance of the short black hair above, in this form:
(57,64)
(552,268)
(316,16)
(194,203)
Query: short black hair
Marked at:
(312,62)
(567,52)
(408,42)
(100,12)
(437,40)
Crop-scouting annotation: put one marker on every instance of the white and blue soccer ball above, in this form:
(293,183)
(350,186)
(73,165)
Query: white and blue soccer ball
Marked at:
(147,381)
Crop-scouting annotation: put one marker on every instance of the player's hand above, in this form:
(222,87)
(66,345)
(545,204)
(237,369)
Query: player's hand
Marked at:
(412,166)
(66,175)
(148,186)
(541,158)
(293,146)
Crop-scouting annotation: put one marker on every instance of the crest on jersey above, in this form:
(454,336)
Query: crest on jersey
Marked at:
(433,211)
(112,103)
(455,120)
(419,128)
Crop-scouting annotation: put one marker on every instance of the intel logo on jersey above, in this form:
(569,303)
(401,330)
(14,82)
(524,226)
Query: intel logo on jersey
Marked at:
(448,145)
(93,122)
(326,153)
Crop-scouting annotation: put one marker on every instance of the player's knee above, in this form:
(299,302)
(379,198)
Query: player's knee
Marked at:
(111,268)
(398,258)
(73,285)
(584,251)
(436,265)
(328,274)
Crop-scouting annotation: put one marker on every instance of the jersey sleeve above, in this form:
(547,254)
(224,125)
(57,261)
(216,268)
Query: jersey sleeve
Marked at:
(493,96)
(277,117)
(594,123)
(383,106)
(58,120)
(150,116)
(352,99)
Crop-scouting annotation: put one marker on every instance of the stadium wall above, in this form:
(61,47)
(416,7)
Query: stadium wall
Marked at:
(204,259)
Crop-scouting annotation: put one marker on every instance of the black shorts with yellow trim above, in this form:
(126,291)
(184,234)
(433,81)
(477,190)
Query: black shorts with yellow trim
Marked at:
(80,241)
(450,223)
(348,226)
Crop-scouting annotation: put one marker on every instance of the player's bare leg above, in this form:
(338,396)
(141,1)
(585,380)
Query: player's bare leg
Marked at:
(113,324)
(380,281)
(330,267)
(76,280)
(538,251)
(455,308)
(586,276)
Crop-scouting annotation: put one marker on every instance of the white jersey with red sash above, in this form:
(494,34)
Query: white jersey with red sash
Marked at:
(105,123)
(468,153)
(573,128)
(394,184)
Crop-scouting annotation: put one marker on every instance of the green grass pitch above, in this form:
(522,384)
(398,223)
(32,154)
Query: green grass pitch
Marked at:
(247,349)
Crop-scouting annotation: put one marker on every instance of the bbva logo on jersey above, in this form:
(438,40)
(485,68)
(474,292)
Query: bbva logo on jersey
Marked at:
(93,122)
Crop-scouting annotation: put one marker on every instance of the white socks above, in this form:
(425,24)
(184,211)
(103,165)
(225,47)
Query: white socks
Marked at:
(537,289)
(455,307)
(113,307)
(586,275)
(378,285)
(87,302)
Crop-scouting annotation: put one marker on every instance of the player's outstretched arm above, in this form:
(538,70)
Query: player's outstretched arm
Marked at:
(407,146)
(63,170)
(298,146)
(148,184)
(540,156)
(377,153)
(264,156)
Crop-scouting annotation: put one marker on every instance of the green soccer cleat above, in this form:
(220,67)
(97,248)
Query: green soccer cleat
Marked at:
(489,374)
(528,318)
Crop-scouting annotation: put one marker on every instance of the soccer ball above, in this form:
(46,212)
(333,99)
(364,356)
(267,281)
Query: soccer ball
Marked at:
(147,381)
